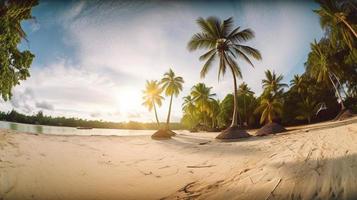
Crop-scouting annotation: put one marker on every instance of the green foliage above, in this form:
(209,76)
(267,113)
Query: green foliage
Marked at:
(202,96)
(338,18)
(272,83)
(14,64)
(171,84)
(40,118)
(203,102)
(203,112)
(307,109)
(270,108)
(312,90)
(246,104)
(226,111)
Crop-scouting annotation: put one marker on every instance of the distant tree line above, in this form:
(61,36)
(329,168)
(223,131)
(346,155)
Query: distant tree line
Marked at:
(42,119)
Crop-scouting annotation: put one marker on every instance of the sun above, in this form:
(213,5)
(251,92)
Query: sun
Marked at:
(128,100)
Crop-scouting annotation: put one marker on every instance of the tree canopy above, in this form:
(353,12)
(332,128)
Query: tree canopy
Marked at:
(14,63)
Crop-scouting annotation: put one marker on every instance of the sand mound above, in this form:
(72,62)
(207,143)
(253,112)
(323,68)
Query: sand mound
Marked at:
(270,128)
(163,134)
(344,114)
(233,133)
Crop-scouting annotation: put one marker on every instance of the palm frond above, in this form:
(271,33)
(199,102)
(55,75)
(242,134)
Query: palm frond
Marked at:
(227,26)
(207,66)
(250,51)
(208,54)
(242,36)
(201,41)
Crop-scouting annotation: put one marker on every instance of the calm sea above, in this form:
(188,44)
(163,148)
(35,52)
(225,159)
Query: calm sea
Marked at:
(40,129)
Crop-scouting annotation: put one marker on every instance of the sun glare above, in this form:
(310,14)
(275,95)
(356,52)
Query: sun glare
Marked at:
(128,100)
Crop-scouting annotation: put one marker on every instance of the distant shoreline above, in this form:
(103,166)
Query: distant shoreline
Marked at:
(41,119)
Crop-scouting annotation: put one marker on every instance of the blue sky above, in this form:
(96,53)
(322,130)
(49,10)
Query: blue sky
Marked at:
(93,57)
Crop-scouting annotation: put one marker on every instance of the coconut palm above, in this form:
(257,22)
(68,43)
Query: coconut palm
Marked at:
(245,92)
(319,67)
(202,96)
(214,112)
(188,105)
(224,43)
(270,108)
(307,109)
(226,110)
(337,16)
(172,85)
(272,83)
(190,116)
(297,83)
(152,97)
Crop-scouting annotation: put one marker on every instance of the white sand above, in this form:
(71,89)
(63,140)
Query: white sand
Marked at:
(318,164)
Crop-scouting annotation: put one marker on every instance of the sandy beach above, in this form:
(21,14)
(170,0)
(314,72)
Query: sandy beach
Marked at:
(308,162)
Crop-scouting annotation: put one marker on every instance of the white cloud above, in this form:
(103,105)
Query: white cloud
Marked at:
(44,105)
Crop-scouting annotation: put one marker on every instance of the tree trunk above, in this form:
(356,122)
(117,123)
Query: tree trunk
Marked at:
(270,118)
(157,119)
(245,111)
(235,109)
(339,83)
(168,115)
(337,91)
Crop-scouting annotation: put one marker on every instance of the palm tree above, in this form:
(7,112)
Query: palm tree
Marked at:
(224,44)
(188,105)
(297,83)
(172,85)
(202,96)
(214,112)
(226,110)
(334,15)
(270,108)
(152,97)
(272,83)
(307,109)
(319,67)
(245,92)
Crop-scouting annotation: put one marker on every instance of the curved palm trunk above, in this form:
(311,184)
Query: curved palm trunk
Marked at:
(338,92)
(235,109)
(157,119)
(245,111)
(339,83)
(168,115)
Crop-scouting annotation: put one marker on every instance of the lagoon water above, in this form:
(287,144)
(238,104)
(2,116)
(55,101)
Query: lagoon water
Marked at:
(60,130)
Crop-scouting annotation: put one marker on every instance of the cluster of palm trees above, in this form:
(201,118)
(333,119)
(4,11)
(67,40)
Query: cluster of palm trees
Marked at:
(271,101)
(202,111)
(330,78)
(333,60)
(200,107)
(171,85)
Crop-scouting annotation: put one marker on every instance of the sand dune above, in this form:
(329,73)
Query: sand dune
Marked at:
(309,162)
